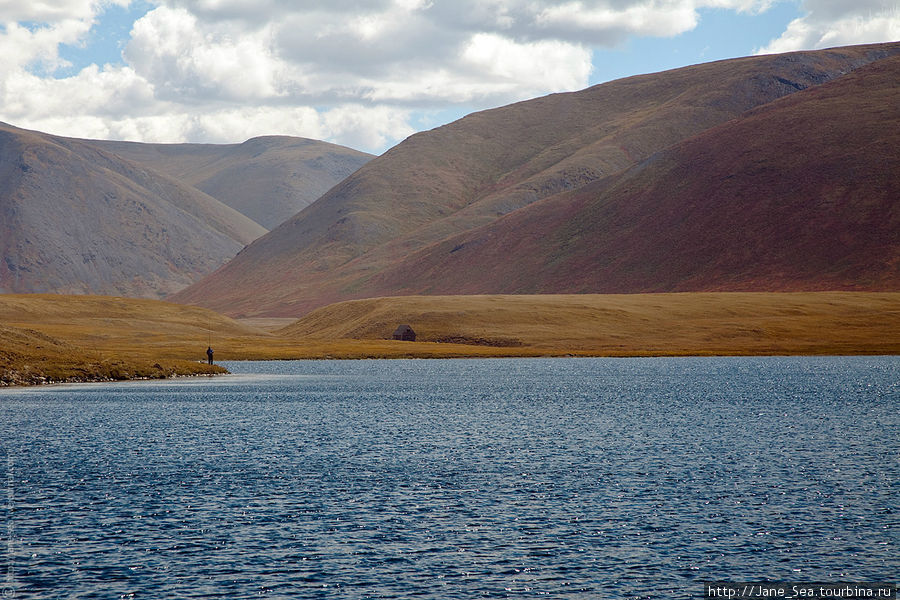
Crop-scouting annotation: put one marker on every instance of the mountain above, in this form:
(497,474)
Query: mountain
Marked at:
(519,198)
(801,194)
(268,179)
(77,219)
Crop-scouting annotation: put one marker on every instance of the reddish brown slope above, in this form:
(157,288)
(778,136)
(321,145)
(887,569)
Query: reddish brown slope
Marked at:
(802,194)
(465,175)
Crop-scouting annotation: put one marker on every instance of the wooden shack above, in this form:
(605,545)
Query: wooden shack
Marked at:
(405,333)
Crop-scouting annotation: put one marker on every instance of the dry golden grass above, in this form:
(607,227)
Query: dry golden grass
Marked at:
(30,357)
(46,338)
(628,324)
(122,327)
(83,338)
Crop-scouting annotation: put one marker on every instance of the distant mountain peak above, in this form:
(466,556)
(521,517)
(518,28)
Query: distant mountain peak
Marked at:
(124,218)
(507,200)
(268,178)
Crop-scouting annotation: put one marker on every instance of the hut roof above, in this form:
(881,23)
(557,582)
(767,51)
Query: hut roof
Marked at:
(401,329)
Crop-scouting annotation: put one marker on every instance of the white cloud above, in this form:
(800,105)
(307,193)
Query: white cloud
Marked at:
(602,22)
(355,72)
(364,65)
(829,23)
(351,125)
(183,60)
(38,47)
(46,11)
(364,127)
(106,93)
(504,64)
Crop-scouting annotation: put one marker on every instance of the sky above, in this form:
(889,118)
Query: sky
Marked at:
(365,73)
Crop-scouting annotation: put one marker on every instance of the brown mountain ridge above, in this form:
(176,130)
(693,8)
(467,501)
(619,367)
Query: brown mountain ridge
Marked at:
(76,219)
(123,218)
(591,192)
(801,194)
(268,179)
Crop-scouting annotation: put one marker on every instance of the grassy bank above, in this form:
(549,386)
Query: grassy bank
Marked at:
(28,357)
(90,338)
(53,339)
(625,325)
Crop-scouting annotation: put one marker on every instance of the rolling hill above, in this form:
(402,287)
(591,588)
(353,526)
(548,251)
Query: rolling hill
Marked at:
(104,217)
(800,194)
(52,338)
(620,325)
(556,194)
(268,179)
(76,219)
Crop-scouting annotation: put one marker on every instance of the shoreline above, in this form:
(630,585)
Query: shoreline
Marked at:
(45,384)
(81,339)
(36,377)
(39,381)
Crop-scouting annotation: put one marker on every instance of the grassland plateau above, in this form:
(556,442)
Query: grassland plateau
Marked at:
(46,339)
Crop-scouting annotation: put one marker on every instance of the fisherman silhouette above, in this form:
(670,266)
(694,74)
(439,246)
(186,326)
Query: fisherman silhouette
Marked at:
(209,354)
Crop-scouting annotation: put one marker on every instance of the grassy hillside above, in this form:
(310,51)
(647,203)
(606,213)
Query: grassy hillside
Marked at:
(123,328)
(29,357)
(81,338)
(120,218)
(800,194)
(461,177)
(51,338)
(628,324)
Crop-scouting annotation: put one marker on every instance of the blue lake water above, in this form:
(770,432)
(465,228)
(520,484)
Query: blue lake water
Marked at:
(559,478)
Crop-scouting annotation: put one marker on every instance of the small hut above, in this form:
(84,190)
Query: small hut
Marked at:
(405,333)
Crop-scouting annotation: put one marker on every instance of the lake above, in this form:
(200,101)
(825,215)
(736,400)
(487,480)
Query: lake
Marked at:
(519,478)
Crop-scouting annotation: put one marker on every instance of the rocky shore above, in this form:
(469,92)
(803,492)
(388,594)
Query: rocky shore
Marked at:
(47,372)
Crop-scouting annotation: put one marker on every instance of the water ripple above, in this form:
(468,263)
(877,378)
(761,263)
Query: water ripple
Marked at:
(635,478)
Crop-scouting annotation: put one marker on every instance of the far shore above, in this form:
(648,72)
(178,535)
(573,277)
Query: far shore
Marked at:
(59,339)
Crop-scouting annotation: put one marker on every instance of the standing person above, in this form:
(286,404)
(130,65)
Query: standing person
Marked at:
(209,354)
